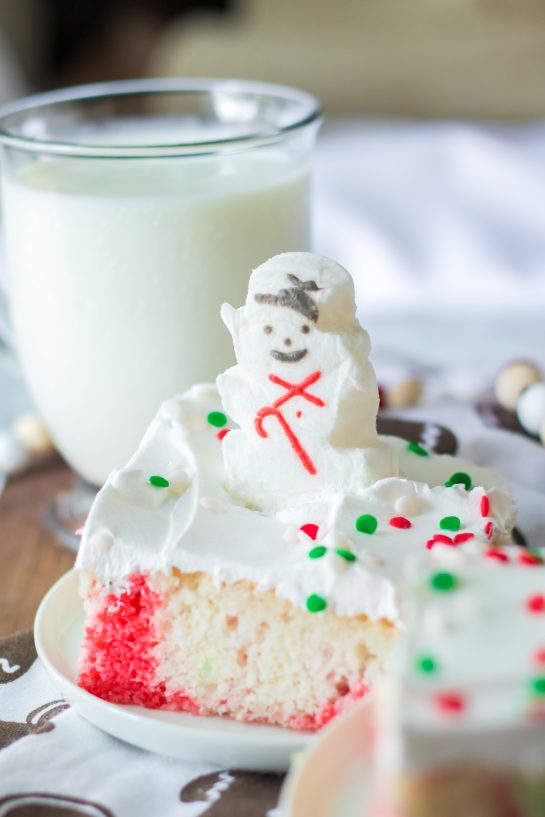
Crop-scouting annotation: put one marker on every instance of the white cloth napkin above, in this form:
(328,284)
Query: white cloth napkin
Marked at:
(74,759)
(442,225)
(435,217)
(62,762)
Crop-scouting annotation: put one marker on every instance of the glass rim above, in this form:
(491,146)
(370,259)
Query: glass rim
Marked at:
(311,114)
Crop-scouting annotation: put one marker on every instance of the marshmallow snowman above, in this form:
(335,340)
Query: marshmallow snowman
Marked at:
(303,393)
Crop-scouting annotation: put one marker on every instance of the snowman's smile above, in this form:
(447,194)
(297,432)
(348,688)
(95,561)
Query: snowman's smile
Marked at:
(289,357)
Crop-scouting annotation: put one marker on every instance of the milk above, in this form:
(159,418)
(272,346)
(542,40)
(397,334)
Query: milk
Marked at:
(117,273)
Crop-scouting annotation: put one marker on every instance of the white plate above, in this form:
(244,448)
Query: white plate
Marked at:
(331,779)
(57,633)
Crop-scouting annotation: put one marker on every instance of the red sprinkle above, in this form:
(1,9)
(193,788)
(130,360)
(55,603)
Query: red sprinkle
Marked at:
(537,713)
(531,559)
(439,539)
(223,433)
(539,656)
(485,506)
(298,413)
(489,529)
(536,604)
(497,554)
(460,538)
(452,703)
(310,529)
(400,522)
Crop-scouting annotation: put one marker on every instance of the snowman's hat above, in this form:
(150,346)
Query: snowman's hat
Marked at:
(319,289)
(294,297)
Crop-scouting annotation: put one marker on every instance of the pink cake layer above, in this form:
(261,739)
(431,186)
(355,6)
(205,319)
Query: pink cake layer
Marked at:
(121,663)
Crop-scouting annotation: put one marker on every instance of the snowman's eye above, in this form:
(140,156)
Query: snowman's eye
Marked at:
(267,329)
(305,329)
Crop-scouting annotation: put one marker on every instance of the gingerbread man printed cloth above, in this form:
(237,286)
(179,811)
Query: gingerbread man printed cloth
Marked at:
(53,763)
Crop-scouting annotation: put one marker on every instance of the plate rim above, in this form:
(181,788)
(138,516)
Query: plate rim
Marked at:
(307,789)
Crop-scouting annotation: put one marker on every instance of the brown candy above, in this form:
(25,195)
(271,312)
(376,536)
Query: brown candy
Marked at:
(406,393)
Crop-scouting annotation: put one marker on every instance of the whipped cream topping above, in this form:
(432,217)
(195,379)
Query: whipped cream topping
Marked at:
(346,546)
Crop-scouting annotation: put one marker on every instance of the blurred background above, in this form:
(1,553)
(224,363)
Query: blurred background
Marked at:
(441,58)
(430,171)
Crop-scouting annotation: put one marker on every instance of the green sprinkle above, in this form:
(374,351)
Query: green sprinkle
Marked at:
(450,523)
(417,449)
(346,554)
(206,667)
(366,523)
(459,478)
(427,664)
(217,418)
(315,603)
(538,685)
(317,552)
(443,581)
(158,482)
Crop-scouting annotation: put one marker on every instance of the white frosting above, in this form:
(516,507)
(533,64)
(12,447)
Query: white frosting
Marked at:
(196,525)
(303,393)
(302,449)
(488,648)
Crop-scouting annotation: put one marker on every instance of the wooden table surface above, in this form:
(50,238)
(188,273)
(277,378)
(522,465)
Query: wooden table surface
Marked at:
(30,558)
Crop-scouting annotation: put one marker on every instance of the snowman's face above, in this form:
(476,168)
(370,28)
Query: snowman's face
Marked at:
(283,341)
(280,335)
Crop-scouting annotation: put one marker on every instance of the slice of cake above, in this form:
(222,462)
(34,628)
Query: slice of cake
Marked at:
(465,728)
(245,561)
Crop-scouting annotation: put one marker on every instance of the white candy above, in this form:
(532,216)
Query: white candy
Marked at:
(407,506)
(13,455)
(512,379)
(179,482)
(371,558)
(336,562)
(531,408)
(303,393)
(32,434)
(101,542)
(208,503)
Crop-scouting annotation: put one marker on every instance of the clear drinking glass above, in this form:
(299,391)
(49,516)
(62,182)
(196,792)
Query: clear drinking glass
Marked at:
(132,210)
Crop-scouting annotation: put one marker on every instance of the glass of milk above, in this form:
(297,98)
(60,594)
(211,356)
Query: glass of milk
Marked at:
(132,210)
